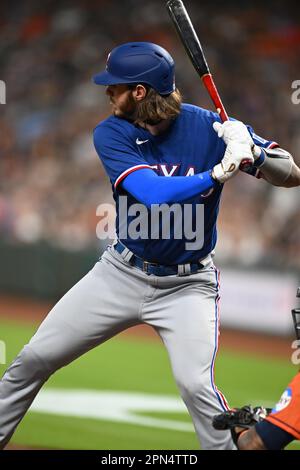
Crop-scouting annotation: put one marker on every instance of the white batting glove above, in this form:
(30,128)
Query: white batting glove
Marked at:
(229,166)
(238,132)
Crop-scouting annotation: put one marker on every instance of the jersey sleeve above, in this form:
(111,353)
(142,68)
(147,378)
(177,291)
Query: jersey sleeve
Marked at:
(117,152)
(260,141)
(263,143)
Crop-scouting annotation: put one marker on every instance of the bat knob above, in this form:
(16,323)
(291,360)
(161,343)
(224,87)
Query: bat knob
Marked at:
(246,164)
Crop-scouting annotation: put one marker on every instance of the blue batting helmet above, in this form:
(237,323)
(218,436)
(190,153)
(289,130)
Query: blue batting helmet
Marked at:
(139,62)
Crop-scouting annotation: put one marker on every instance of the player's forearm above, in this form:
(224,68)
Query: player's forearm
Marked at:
(294,178)
(250,440)
(149,188)
(279,169)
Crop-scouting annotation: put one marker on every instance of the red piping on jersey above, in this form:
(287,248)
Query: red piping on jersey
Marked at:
(272,145)
(222,400)
(127,172)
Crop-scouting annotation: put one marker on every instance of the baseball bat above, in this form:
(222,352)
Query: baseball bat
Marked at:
(192,45)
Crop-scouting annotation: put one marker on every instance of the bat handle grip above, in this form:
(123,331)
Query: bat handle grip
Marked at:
(245,164)
(209,84)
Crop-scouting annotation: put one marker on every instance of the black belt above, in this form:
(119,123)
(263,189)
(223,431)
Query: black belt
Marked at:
(157,269)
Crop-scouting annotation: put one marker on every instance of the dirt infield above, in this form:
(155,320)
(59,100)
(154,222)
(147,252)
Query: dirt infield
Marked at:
(33,311)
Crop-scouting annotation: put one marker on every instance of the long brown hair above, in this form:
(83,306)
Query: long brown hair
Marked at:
(154,107)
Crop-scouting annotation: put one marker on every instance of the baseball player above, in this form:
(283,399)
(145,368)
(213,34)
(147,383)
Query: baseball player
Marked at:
(262,429)
(280,427)
(158,153)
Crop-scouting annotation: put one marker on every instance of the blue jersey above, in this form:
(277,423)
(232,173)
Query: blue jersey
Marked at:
(189,146)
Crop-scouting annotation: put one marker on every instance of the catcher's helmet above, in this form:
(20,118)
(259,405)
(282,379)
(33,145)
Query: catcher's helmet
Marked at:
(139,62)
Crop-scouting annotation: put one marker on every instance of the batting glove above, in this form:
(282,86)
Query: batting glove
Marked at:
(238,132)
(229,166)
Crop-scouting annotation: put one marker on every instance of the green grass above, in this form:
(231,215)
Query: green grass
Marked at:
(133,364)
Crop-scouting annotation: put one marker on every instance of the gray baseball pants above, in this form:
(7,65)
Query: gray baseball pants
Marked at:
(110,298)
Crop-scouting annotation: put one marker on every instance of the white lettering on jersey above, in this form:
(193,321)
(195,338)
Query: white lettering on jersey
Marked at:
(258,138)
(190,172)
(165,171)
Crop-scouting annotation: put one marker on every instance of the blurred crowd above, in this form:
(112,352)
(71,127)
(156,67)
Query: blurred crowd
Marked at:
(51,180)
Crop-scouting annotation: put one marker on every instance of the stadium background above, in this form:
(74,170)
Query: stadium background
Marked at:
(51,182)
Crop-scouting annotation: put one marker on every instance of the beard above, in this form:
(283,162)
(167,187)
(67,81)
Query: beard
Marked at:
(127,109)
